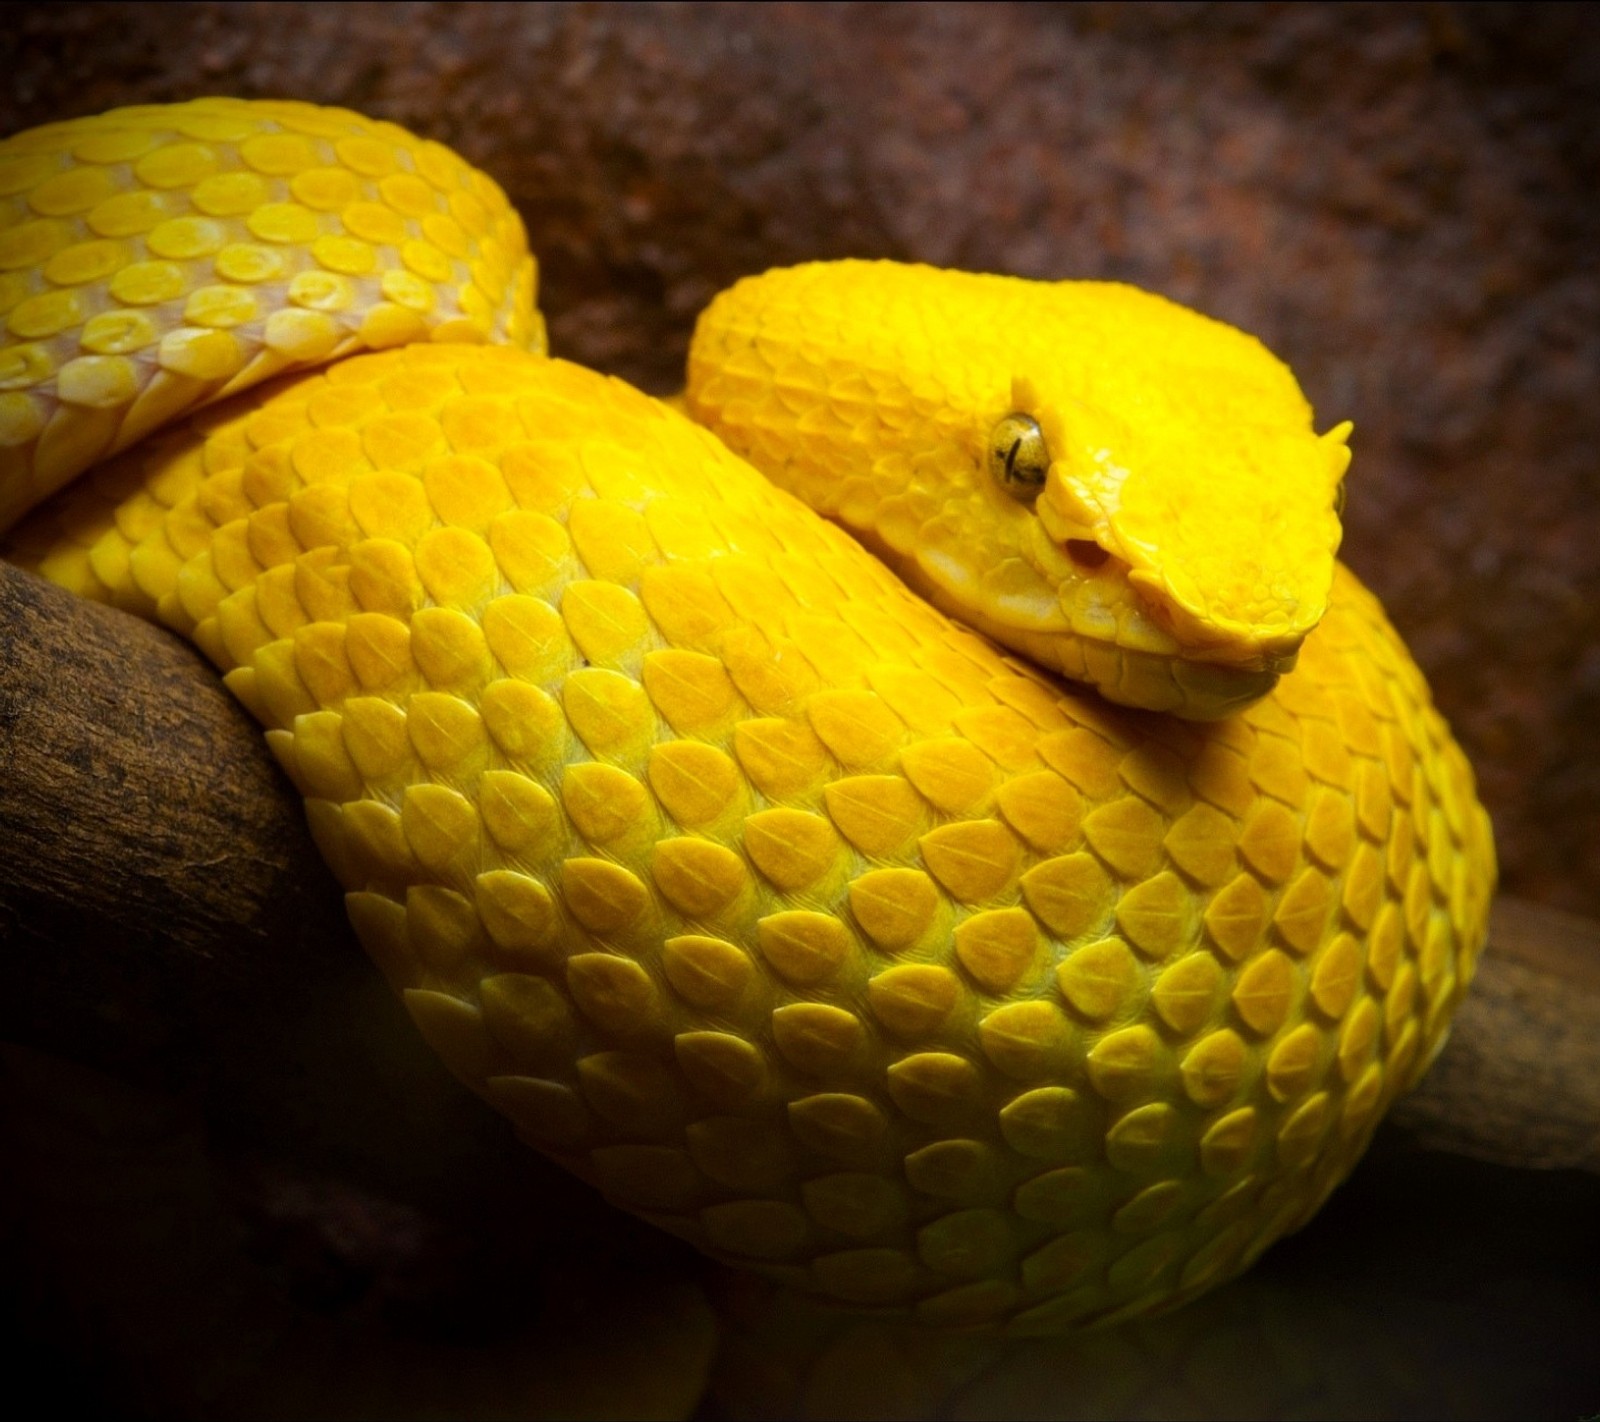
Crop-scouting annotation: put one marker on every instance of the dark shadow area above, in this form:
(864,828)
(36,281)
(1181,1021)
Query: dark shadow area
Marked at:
(1429,1287)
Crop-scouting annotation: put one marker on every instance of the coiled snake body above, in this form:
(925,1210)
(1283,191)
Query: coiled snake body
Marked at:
(805,922)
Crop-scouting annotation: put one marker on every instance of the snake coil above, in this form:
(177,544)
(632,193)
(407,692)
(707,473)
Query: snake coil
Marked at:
(805,922)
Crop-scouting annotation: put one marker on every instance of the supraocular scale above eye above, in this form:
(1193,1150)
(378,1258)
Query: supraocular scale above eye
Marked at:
(1019,457)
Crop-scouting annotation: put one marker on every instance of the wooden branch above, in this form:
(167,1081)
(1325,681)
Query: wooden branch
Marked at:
(162,908)
(1518,1083)
(158,889)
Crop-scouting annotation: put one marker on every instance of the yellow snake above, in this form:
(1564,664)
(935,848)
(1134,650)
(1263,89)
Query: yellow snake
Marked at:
(804,921)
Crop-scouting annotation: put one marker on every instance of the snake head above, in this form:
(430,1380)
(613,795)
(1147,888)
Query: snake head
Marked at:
(1221,530)
(1115,487)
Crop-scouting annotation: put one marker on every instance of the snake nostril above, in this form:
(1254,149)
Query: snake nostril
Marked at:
(1086,552)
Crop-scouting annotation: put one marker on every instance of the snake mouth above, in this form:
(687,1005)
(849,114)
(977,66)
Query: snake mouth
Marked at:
(1206,643)
(1098,635)
(1104,597)
(1182,686)
(1109,628)
(1176,685)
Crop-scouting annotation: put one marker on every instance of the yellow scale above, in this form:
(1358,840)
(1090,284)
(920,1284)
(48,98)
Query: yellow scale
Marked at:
(802,920)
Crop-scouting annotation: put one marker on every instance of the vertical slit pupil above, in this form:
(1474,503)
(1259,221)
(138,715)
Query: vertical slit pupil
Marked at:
(1011,457)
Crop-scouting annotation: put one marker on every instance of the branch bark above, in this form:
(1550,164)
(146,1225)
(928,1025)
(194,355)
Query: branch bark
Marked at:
(158,889)
(163,910)
(1518,1083)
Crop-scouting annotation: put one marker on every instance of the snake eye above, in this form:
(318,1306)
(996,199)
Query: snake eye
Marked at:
(1018,456)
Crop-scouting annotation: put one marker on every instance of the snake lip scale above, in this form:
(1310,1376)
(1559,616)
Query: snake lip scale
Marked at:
(935,824)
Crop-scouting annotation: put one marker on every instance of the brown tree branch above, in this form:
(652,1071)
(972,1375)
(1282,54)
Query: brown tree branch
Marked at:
(162,910)
(158,890)
(1518,1083)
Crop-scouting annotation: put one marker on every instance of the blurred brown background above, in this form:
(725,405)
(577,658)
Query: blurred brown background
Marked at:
(1399,199)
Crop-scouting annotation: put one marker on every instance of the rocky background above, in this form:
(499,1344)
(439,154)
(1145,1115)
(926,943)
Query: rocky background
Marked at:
(1399,199)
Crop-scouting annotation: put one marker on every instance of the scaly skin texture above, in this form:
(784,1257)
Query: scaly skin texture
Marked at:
(1180,548)
(153,259)
(797,917)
